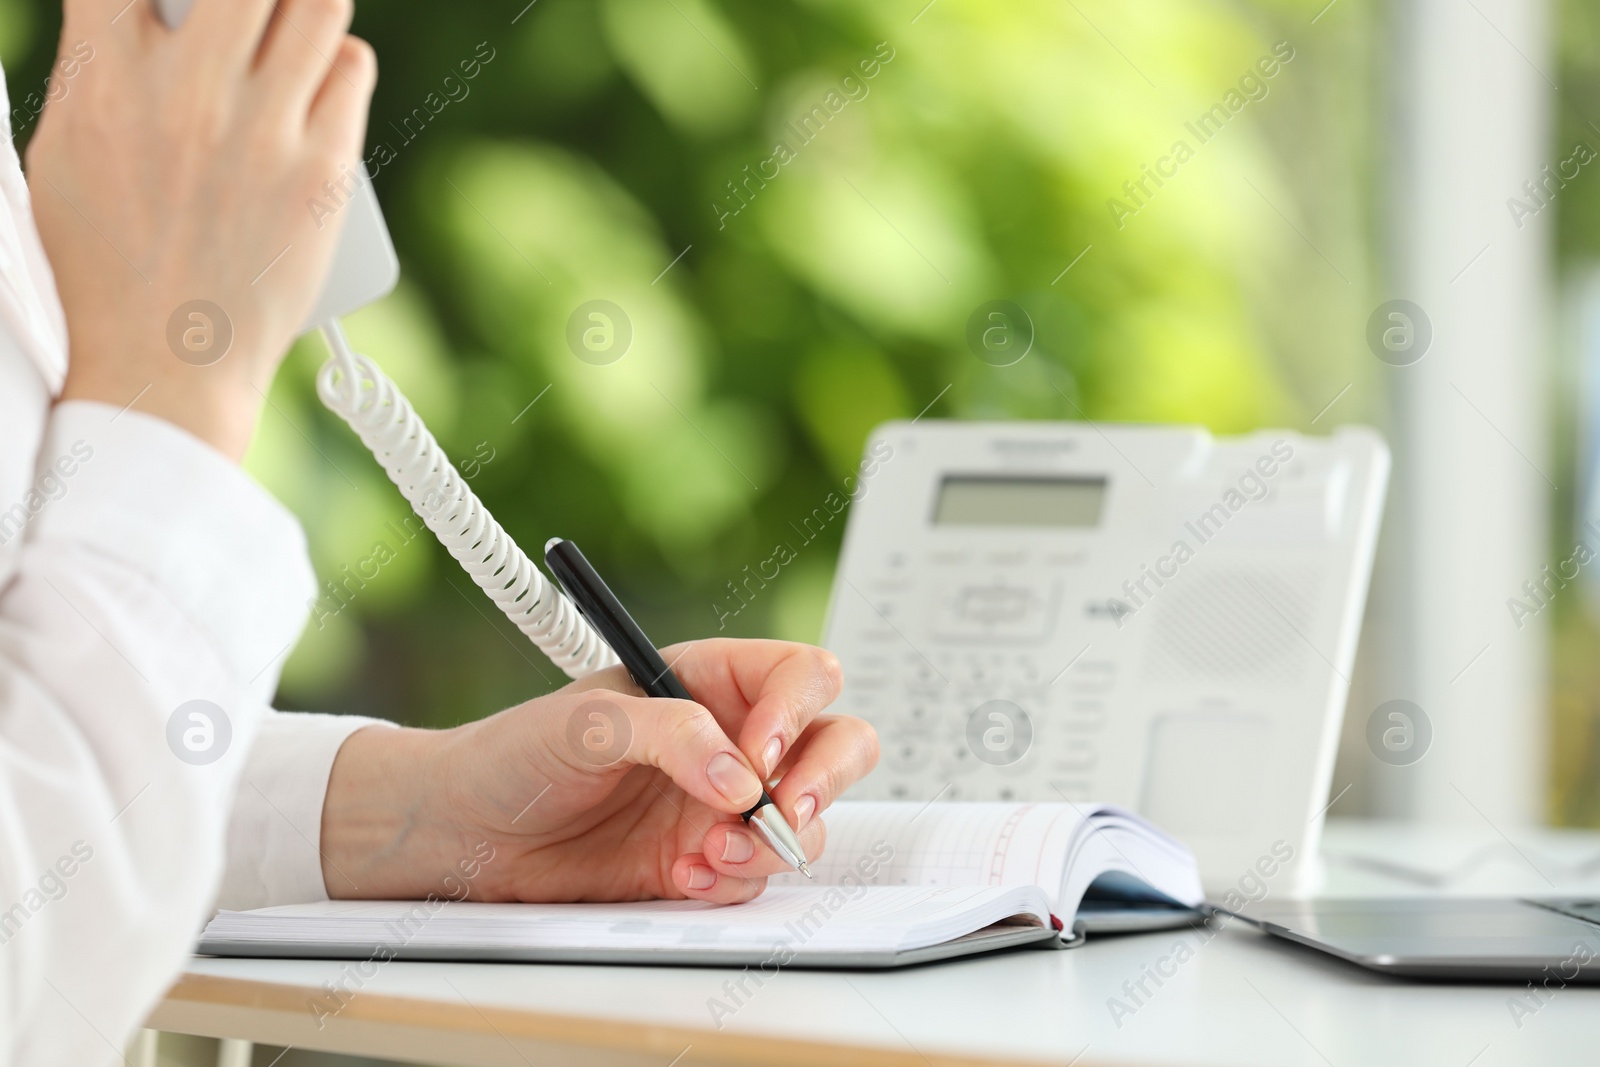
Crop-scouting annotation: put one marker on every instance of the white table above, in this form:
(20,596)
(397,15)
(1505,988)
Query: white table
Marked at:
(1239,998)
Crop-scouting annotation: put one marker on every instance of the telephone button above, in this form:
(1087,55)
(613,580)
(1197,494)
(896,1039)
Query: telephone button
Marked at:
(1076,756)
(995,611)
(907,752)
(960,761)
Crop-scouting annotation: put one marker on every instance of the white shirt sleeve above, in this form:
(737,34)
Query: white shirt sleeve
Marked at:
(160,576)
(275,833)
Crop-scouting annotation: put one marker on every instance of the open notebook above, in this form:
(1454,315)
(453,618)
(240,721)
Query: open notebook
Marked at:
(900,883)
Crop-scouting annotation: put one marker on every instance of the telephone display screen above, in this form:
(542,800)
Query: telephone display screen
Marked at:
(966,500)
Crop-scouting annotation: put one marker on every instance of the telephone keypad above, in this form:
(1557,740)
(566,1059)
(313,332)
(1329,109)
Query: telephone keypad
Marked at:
(921,701)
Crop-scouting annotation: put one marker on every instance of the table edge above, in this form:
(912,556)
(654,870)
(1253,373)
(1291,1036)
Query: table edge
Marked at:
(199,991)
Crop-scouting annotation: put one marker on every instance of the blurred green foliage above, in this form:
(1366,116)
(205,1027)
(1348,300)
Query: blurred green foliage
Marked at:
(590,158)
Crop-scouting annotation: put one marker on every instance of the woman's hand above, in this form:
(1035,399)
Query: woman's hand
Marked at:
(181,167)
(597,793)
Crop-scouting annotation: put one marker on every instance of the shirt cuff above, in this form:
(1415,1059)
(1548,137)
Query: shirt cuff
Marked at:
(139,489)
(275,831)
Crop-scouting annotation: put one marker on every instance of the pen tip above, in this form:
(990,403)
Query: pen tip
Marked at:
(805,869)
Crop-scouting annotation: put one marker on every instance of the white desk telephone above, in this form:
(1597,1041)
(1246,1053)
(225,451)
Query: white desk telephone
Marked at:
(1144,615)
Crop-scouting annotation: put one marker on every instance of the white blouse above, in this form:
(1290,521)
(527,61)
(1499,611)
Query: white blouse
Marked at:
(140,571)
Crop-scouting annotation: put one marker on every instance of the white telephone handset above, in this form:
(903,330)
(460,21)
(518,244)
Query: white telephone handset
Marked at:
(364,269)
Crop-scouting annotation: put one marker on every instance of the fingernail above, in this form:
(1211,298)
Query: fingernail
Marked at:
(701,877)
(770,754)
(804,808)
(733,779)
(737,848)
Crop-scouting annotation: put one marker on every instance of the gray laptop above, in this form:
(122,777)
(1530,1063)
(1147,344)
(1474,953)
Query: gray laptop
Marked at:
(1446,937)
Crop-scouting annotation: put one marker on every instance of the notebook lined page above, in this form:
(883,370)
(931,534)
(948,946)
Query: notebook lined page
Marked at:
(816,919)
(912,844)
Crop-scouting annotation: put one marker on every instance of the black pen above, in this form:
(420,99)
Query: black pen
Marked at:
(652,673)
